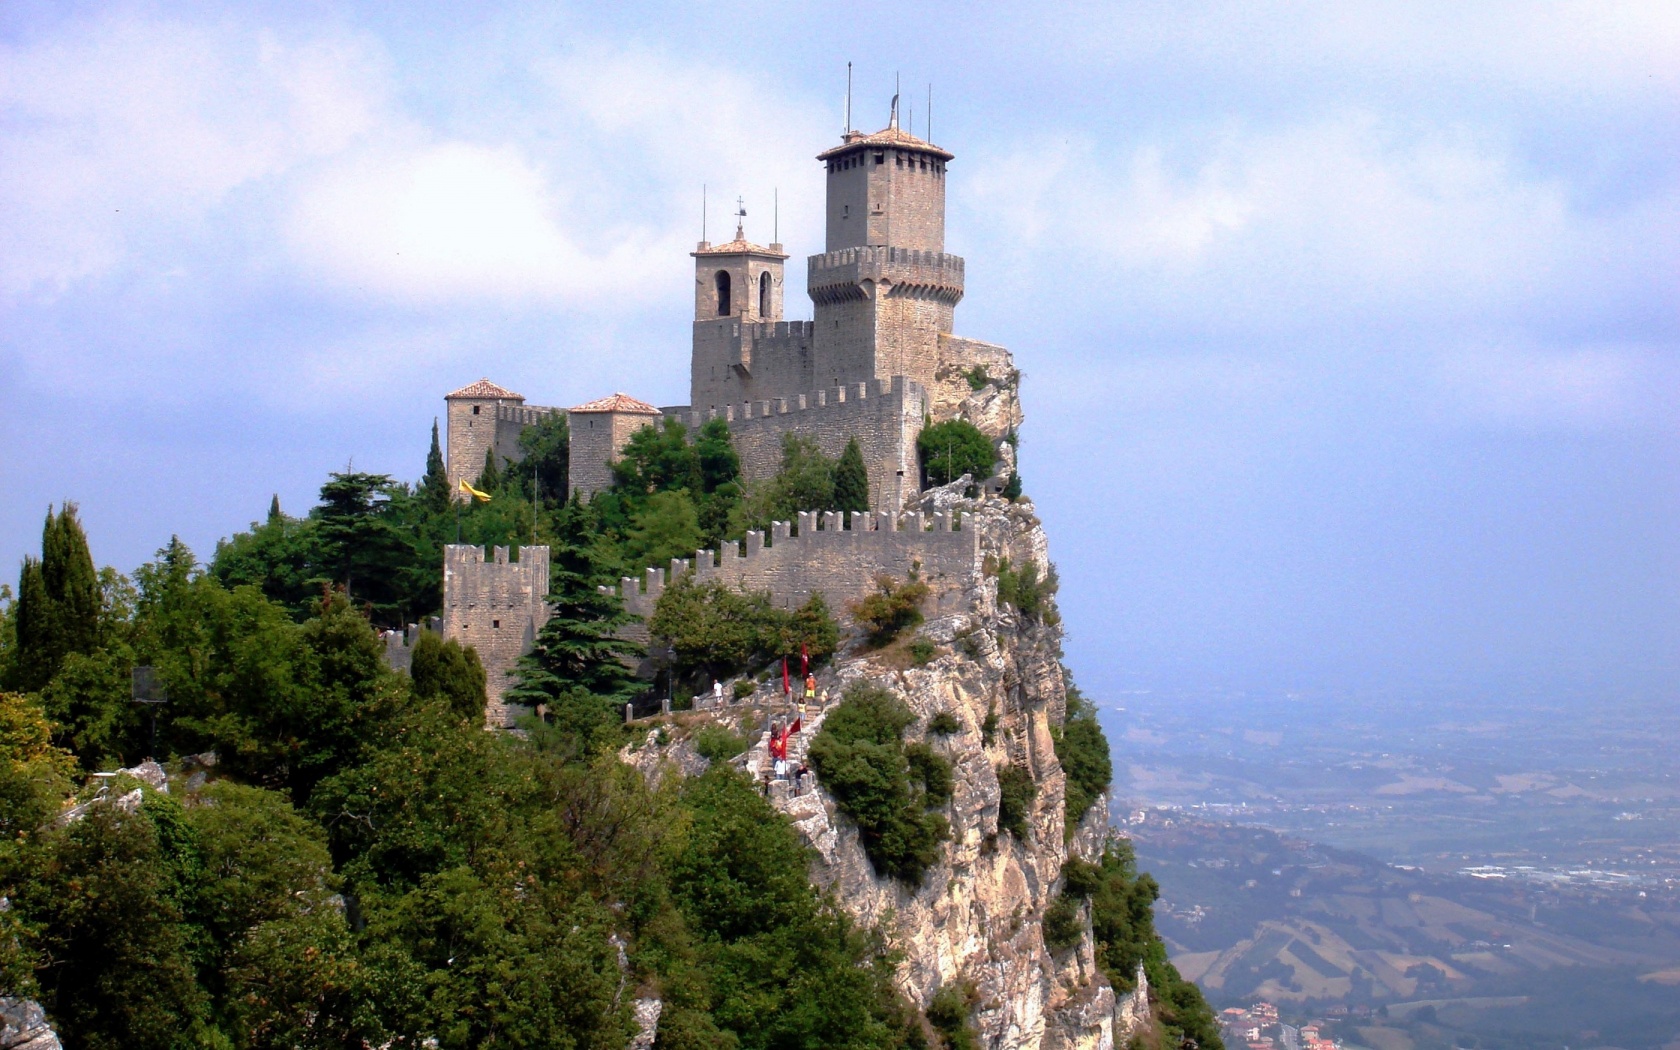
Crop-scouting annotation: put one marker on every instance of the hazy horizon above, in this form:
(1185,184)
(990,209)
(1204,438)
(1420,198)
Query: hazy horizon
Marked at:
(1350,332)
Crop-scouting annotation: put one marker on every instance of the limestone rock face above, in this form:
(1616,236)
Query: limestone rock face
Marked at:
(976,917)
(23,1026)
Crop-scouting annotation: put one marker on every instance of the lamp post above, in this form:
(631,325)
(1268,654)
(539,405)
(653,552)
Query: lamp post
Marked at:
(146,689)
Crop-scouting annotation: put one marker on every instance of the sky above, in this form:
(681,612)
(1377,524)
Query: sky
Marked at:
(1350,330)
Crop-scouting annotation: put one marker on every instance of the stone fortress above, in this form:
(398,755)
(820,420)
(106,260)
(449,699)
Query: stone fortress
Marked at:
(877,362)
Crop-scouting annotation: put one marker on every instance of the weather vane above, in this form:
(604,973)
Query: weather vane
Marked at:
(740,219)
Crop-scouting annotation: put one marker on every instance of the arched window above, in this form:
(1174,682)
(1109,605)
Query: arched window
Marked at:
(723,293)
(764,294)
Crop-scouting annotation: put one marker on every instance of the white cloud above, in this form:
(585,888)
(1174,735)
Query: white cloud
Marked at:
(122,135)
(1579,387)
(1312,225)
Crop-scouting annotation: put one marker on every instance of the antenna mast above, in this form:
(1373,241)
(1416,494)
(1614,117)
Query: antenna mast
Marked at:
(848,98)
(929,118)
(776,215)
(702,211)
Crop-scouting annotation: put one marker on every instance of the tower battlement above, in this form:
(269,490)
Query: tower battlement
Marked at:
(497,607)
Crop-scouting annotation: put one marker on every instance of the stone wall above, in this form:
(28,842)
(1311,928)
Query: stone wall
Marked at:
(597,438)
(735,361)
(839,563)
(881,311)
(884,415)
(497,607)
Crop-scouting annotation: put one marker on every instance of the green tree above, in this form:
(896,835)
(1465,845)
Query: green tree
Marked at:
(360,546)
(890,609)
(716,631)
(545,454)
(657,458)
(107,923)
(489,478)
(716,457)
(666,527)
(435,485)
(579,648)
(954,448)
(59,602)
(450,672)
(851,480)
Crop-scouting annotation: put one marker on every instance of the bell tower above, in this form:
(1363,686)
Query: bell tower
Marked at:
(737,291)
(885,290)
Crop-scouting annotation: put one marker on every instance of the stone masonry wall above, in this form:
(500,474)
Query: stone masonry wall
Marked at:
(839,563)
(497,607)
(884,415)
(735,362)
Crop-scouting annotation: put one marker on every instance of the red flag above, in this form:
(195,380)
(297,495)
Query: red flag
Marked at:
(778,747)
(787,687)
(797,722)
(804,660)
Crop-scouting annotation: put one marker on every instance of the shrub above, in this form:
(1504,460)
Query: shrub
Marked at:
(1082,749)
(717,744)
(944,723)
(744,687)
(717,631)
(988,726)
(977,378)
(954,448)
(1061,923)
(922,651)
(934,772)
(947,1012)
(1016,792)
(861,758)
(891,610)
(1027,590)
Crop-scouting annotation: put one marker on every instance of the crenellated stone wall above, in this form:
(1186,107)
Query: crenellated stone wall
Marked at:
(826,557)
(497,607)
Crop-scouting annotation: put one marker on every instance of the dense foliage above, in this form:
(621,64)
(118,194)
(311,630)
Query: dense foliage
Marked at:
(1082,750)
(716,631)
(953,448)
(886,788)
(1123,925)
(1027,590)
(368,867)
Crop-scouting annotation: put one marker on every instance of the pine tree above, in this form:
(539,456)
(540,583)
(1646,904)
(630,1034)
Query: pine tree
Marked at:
(489,479)
(274,515)
(436,483)
(578,647)
(851,480)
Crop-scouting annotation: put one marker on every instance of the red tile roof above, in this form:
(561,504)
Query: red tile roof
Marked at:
(619,403)
(739,246)
(886,137)
(484,389)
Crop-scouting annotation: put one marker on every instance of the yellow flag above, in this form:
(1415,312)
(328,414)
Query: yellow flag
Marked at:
(482,497)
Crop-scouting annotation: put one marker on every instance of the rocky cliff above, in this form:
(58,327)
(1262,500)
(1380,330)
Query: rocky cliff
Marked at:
(975,919)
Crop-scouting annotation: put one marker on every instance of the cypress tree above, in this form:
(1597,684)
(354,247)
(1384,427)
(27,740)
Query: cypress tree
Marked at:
(32,666)
(436,482)
(851,480)
(490,479)
(274,515)
(72,584)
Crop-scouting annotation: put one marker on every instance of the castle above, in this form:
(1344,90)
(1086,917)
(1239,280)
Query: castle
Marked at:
(877,362)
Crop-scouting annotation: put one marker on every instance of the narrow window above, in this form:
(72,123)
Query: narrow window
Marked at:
(475,410)
(723,293)
(764,294)
(496,624)
(881,158)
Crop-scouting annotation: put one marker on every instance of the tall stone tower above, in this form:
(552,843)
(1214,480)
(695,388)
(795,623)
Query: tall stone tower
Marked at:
(884,291)
(476,425)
